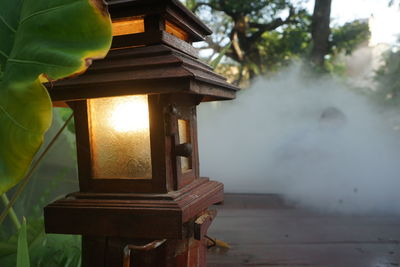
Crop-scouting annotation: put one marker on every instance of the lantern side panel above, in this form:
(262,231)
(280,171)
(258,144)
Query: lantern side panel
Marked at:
(130,25)
(120,137)
(184,137)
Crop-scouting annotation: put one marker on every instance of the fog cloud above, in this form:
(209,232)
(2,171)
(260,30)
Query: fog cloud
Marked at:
(314,141)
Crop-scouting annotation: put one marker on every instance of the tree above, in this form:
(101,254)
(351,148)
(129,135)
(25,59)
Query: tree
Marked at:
(320,31)
(248,24)
(387,76)
(261,36)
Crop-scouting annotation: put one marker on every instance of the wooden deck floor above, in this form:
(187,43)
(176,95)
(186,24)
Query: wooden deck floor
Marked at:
(263,231)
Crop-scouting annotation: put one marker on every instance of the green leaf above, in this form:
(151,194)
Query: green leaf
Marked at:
(44,250)
(59,250)
(218,59)
(41,40)
(7,249)
(35,236)
(23,251)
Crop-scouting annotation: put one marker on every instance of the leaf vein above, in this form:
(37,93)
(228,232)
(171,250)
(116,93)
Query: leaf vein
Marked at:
(23,61)
(44,11)
(3,54)
(13,120)
(2,19)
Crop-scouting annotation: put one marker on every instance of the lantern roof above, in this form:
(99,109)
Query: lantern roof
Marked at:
(171,10)
(156,57)
(153,69)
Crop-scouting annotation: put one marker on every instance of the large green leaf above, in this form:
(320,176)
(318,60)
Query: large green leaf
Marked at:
(40,40)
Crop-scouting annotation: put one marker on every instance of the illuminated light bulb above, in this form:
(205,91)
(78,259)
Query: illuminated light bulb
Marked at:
(130,114)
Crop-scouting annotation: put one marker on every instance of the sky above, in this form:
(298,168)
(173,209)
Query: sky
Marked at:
(384,25)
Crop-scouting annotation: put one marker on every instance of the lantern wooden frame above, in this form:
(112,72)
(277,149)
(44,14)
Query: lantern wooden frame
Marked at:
(165,111)
(158,61)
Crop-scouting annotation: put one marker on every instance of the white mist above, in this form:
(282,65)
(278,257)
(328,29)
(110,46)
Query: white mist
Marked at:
(271,139)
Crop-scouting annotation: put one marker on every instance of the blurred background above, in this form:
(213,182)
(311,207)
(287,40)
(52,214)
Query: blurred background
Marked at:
(317,120)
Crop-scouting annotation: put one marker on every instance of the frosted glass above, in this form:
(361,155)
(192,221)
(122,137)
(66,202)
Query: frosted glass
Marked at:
(120,137)
(127,26)
(184,137)
(184,131)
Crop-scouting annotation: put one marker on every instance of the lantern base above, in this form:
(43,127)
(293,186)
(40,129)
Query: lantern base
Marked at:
(134,216)
(109,252)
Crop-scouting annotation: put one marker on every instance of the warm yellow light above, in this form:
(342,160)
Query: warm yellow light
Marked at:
(175,30)
(130,114)
(128,26)
(120,137)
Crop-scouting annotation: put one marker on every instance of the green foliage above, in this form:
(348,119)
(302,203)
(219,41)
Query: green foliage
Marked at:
(218,59)
(277,46)
(23,251)
(256,9)
(41,40)
(344,40)
(268,37)
(277,49)
(58,251)
(44,250)
(191,4)
(388,76)
(348,37)
(334,66)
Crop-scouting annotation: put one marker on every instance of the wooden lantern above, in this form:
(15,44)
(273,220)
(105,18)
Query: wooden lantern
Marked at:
(141,199)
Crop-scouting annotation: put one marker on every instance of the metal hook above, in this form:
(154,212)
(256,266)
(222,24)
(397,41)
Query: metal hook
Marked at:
(150,246)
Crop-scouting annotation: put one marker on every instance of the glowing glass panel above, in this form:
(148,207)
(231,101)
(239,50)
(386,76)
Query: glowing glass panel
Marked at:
(184,137)
(120,137)
(127,26)
(176,31)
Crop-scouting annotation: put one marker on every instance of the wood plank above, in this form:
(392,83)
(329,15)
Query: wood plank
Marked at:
(265,231)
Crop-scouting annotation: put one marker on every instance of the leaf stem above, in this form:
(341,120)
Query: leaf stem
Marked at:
(25,181)
(13,215)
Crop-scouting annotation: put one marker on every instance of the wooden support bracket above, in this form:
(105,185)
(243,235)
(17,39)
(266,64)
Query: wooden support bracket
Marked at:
(202,223)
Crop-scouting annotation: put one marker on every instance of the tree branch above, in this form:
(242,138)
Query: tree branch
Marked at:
(211,44)
(224,8)
(236,47)
(262,28)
